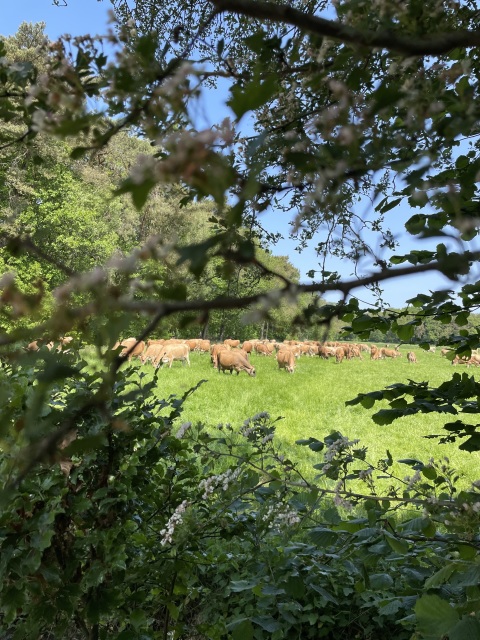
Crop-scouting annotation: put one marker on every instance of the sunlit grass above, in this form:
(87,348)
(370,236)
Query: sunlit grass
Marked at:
(312,403)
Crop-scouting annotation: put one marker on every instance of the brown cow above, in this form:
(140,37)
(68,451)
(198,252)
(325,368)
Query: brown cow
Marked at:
(234,361)
(203,346)
(173,352)
(214,351)
(389,353)
(411,357)
(64,342)
(37,344)
(375,353)
(247,346)
(152,353)
(231,343)
(286,360)
(130,346)
(264,349)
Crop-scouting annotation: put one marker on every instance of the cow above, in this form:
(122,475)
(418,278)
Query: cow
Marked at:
(214,351)
(473,360)
(286,360)
(152,353)
(37,344)
(247,346)
(375,353)
(203,346)
(130,346)
(231,343)
(234,361)
(389,353)
(155,341)
(411,357)
(264,349)
(64,342)
(173,352)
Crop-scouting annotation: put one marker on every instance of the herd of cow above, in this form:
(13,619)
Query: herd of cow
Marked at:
(233,356)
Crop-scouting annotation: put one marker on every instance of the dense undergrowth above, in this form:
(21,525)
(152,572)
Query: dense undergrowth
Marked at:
(162,527)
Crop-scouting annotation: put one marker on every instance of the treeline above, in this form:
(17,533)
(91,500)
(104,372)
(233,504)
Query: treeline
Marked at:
(67,210)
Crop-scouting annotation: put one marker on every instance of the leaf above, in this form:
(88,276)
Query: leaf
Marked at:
(467,629)
(380,581)
(267,623)
(387,207)
(386,416)
(252,95)
(243,585)
(322,537)
(241,629)
(399,546)
(435,616)
(441,576)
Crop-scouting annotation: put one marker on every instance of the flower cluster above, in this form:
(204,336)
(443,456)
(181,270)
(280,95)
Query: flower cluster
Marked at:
(223,480)
(174,521)
(258,429)
(336,449)
(281,517)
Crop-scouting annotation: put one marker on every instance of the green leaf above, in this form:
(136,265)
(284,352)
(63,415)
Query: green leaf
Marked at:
(252,95)
(267,623)
(241,629)
(399,546)
(467,629)
(322,537)
(441,576)
(243,585)
(380,581)
(435,616)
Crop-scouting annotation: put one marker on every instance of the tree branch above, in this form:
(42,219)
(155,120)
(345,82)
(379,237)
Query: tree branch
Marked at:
(386,39)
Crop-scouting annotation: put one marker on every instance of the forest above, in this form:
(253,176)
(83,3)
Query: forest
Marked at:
(126,214)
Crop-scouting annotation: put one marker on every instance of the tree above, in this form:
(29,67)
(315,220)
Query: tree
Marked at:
(327,113)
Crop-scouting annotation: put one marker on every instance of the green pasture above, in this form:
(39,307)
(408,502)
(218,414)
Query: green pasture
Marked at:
(312,403)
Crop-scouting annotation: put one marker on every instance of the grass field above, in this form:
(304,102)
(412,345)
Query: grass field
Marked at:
(312,403)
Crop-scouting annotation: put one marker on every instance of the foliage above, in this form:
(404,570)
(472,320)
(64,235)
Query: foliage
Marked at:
(147,531)
(161,529)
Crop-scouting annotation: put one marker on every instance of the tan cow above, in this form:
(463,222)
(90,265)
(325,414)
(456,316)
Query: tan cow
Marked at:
(411,357)
(214,351)
(286,360)
(389,353)
(375,353)
(203,346)
(234,361)
(152,353)
(247,346)
(173,352)
(130,346)
(64,343)
(37,344)
(231,343)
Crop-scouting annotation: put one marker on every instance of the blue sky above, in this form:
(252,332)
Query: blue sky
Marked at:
(91,16)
